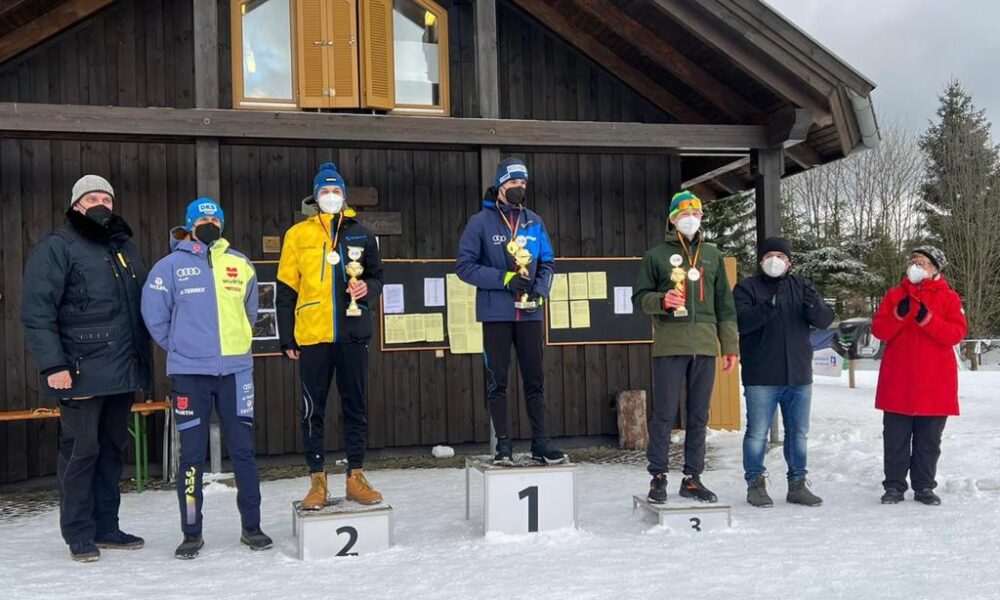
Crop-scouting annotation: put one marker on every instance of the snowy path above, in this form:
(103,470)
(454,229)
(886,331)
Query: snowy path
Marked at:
(852,547)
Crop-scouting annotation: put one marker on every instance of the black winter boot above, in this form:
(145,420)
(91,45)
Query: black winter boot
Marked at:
(658,489)
(691,487)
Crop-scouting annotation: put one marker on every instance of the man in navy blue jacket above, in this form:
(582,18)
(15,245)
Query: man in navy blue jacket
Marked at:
(486,253)
(776,310)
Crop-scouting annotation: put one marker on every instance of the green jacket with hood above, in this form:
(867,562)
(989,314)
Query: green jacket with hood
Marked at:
(711,318)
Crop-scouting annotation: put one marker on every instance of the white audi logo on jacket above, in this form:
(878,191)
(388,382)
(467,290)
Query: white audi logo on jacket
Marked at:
(499,238)
(188,272)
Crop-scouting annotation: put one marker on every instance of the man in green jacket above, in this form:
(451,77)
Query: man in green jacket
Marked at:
(682,283)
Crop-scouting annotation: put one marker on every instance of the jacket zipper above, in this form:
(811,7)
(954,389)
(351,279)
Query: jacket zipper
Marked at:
(125,299)
(215,295)
(333,293)
(322,263)
(79,359)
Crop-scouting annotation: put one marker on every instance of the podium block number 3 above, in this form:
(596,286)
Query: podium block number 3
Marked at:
(531,493)
(352,538)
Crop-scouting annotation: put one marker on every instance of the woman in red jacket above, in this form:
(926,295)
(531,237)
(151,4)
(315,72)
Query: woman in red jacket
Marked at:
(920,320)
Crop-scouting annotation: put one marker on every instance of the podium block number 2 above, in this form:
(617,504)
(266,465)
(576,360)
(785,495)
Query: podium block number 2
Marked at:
(352,538)
(531,493)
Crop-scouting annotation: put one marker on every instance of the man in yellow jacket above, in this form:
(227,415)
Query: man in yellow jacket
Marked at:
(324,317)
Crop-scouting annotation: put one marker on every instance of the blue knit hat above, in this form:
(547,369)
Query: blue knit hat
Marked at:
(510,168)
(327,176)
(204,207)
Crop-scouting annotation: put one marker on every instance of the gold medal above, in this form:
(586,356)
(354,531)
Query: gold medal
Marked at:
(512,247)
(333,257)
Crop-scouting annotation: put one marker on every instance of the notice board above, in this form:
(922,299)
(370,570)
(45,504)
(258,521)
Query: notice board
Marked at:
(591,303)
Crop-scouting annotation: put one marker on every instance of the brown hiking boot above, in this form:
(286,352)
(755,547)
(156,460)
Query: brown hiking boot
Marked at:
(316,498)
(359,490)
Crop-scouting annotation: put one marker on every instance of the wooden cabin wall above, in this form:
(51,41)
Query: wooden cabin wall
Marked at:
(593,204)
(132,53)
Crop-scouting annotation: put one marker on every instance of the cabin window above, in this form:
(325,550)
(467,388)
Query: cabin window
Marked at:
(262,52)
(387,55)
(420,48)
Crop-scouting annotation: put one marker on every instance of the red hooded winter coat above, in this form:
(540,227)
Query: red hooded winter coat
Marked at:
(919,373)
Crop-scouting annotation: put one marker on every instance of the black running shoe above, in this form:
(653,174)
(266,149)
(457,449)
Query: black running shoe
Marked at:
(927,497)
(189,547)
(505,453)
(658,489)
(691,487)
(256,539)
(542,450)
(892,496)
(119,540)
(84,551)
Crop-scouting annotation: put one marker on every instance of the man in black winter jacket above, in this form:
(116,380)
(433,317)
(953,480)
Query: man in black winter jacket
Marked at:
(80,311)
(776,310)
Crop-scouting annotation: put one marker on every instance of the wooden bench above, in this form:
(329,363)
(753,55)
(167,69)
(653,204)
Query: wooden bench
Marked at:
(137,430)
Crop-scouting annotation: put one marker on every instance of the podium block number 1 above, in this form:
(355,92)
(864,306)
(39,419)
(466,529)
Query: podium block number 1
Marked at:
(531,493)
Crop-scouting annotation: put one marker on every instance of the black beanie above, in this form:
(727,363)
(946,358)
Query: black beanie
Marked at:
(775,244)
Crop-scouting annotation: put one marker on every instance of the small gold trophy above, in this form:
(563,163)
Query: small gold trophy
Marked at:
(522,258)
(678,275)
(354,270)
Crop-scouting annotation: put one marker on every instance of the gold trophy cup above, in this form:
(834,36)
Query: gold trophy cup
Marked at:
(354,270)
(522,258)
(677,275)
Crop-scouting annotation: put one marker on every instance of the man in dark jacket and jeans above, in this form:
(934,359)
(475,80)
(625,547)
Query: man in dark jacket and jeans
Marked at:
(80,310)
(486,252)
(776,310)
(683,284)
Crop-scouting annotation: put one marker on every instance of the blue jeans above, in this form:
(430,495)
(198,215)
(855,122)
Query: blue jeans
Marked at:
(762,400)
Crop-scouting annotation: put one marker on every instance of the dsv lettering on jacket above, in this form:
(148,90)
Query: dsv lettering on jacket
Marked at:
(184,272)
(499,239)
(190,476)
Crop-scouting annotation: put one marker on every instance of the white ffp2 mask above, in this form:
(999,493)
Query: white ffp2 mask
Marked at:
(774,266)
(915,274)
(330,203)
(688,225)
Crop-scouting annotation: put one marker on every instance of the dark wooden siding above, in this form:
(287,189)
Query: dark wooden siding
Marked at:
(152,183)
(545,78)
(133,53)
(594,205)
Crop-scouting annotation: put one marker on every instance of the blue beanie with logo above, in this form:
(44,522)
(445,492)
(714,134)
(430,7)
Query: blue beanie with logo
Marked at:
(510,168)
(328,176)
(203,207)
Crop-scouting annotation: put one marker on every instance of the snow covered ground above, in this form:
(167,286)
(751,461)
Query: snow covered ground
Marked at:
(851,547)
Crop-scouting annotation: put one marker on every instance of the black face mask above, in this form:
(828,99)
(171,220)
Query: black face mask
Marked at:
(99,214)
(515,195)
(207,233)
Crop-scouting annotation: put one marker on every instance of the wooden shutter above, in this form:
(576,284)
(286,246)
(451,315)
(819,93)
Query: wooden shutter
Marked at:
(378,69)
(313,70)
(344,54)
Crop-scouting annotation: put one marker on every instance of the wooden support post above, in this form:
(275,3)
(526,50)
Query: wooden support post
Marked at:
(488,91)
(206,93)
(850,373)
(767,167)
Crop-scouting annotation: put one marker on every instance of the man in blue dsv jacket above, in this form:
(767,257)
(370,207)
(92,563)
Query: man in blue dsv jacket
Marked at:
(486,253)
(199,304)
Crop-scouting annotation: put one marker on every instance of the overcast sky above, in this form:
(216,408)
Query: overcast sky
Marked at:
(910,49)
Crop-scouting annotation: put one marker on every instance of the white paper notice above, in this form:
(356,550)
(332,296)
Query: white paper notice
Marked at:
(434,291)
(623,300)
(392,296)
